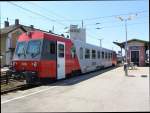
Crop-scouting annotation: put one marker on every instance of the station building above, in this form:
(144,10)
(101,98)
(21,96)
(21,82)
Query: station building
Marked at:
(137,51)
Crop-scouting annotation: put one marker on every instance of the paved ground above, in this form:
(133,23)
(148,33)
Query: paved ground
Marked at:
(99,91)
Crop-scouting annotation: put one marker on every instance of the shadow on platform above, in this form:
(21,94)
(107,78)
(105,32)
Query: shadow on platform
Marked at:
(79,78)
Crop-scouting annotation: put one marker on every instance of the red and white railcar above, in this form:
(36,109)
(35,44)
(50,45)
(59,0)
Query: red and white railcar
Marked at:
(40,55)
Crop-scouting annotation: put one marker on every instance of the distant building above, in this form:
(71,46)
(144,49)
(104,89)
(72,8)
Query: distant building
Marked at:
(136,52)
(77,33)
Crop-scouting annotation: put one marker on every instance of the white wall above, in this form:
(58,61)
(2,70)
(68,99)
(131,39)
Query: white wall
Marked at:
(77,33)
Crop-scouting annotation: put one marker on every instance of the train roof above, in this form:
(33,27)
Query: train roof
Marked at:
(90,45)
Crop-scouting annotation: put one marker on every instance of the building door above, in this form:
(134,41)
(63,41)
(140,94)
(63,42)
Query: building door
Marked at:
(60,60)
(135,57)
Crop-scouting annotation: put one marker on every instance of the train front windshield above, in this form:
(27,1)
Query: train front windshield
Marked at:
(28,50)
(20,50)
(33,49)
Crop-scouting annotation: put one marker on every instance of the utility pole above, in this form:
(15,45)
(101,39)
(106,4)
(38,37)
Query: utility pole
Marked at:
(53,28)
(100,42)
(82,23)
(126,45)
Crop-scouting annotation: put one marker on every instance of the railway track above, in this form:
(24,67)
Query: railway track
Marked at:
(17,85)
(10,84)
(13,89)
(20,86)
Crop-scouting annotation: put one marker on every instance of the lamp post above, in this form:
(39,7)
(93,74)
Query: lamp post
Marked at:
(126,45)
(125,22)
(100,38)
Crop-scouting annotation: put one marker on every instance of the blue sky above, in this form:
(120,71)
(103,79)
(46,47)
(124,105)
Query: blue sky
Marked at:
(65,13)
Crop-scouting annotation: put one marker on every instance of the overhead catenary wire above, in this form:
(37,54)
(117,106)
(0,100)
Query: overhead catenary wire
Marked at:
(43,16)
(117,25)
(47,10)
(109,16)
(101,22)
(55,20)
(94,37)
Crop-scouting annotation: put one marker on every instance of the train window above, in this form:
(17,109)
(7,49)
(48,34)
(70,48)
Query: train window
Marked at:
(73,52)
(105,55)
(87,53)
(61,50)
(102,55)
(108,56)
(93,54)
(52,48)
(81,53)
(98,54)
(111,55)
(33,48)
(20,50)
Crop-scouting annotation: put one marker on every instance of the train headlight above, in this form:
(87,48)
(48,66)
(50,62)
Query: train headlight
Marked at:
(34,64)
(14,63)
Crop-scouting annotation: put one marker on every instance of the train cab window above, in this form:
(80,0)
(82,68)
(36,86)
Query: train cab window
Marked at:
(98,54)
(93,54)
(20,49)
(61,50)
(81,53)
(102,55)
(33,49)
(87,53)
(52,48)
(49,50)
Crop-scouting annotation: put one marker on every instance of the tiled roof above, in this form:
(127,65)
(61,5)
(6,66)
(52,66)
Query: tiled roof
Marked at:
(14,27)
(8,29)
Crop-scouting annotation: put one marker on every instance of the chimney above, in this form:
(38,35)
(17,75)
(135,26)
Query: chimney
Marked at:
(50,31)
(6,24)
(16,22)
(32,27)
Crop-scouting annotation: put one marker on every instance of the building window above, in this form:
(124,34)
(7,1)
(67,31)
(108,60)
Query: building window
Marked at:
(81,53)
(87,53)
(93,54)
(98,54)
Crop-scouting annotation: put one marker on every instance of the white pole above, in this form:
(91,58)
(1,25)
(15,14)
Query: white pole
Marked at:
(126,39)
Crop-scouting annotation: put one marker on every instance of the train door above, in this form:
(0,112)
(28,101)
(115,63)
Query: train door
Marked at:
(60,60)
